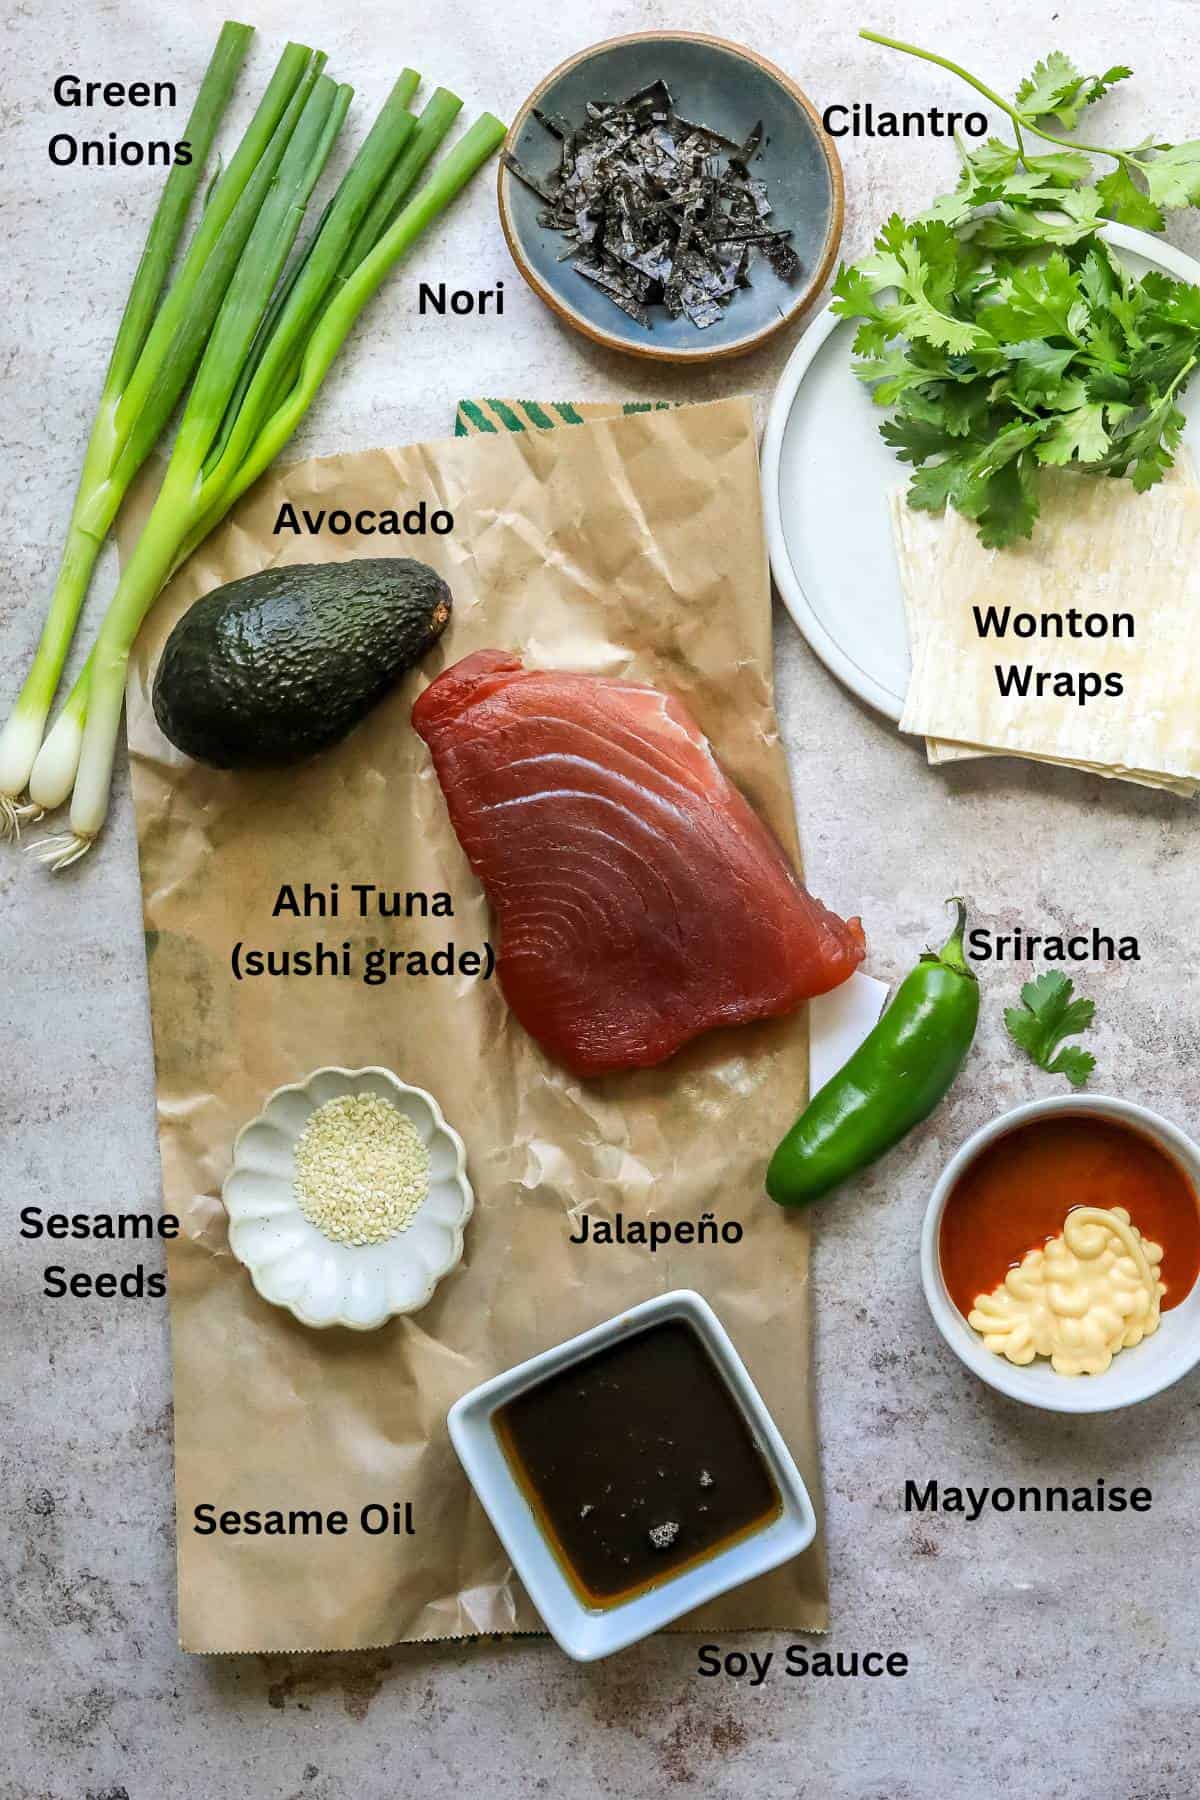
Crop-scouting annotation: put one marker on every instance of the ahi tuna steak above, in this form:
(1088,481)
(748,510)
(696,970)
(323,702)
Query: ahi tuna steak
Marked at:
(640,899)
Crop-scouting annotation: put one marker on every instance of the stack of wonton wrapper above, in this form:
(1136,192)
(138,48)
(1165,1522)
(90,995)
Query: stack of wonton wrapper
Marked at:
(1098,546)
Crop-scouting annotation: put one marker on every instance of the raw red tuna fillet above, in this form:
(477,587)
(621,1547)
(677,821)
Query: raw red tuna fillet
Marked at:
(640,899)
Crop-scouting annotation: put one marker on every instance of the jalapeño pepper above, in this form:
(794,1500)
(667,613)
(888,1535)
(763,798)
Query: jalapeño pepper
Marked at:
(894,1079)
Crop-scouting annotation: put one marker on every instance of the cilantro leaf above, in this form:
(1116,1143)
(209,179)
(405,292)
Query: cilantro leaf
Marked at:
(1154,444)
(919,317)
(914,440)
(1011,508)
(933,486)
(991,481)
(1097,277)
(892,375)
(1173,176)
(1057,88)
(884,269)
(1031,188)
(993,161)
(1159,364)
(855,297)
(1038,369)
(873,337)
(1080,436)
(853,294)
(1109,79)
(962,406)
(951,209)
(1182,306)
(1124,201)
(1083,212)
(1055,82)
(1144,445)
(1048,1014)
(1075,1064)
(1037,302)
(1061,167)
(1036,214)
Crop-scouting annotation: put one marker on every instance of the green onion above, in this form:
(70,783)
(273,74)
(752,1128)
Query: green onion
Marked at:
(440,112)
(423,140)
(157,346)
(167,224)
(399,98)
(57,762)
(451,176)
(185,319)
(302,294)
(199,486)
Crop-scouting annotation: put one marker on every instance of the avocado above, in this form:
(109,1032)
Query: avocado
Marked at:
(273,668)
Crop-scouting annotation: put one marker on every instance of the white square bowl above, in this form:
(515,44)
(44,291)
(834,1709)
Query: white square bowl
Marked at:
(584,1632)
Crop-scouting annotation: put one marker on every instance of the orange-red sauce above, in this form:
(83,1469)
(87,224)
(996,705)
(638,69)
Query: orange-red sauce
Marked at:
(1018,1191)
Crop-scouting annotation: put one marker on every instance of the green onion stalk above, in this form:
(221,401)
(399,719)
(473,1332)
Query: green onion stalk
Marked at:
(233,428)
(435,121)
(158,344)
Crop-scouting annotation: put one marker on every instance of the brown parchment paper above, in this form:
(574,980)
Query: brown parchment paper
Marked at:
(634,547)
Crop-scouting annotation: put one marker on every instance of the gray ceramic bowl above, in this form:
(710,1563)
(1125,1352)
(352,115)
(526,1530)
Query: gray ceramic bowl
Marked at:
(718,84)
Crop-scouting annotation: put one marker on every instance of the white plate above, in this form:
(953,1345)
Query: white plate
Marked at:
(826,477)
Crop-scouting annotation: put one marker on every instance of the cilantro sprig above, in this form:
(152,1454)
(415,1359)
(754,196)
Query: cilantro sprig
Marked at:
(1001,331)
(1048,1014)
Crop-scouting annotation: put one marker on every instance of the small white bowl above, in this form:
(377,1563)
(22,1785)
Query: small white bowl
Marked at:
(291,1262)
(587,1633)
(1134,1374)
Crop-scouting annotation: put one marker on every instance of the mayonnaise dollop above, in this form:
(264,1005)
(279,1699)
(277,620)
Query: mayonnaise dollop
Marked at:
(1091,1292)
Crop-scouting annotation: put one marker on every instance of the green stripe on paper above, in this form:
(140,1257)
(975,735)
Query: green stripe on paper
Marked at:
(507,417)
(475,414)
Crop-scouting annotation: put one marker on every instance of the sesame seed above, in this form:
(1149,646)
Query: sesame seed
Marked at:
(362,1170)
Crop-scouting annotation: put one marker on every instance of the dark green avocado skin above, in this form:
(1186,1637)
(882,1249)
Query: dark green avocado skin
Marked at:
(278,666)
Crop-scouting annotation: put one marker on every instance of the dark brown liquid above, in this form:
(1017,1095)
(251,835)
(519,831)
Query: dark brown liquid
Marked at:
(1018,1192)
(637,1461)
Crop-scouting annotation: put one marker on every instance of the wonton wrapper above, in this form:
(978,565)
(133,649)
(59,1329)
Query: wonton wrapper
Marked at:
(1098,546)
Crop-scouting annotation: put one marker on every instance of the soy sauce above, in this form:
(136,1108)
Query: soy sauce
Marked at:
(637,1462)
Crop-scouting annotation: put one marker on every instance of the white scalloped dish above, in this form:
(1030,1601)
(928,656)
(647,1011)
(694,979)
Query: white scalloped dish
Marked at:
(294,1264)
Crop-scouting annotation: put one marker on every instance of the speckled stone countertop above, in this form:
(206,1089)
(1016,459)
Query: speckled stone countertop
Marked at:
(1049,1656)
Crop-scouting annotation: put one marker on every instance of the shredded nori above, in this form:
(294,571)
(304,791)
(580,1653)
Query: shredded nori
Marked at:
(657,210)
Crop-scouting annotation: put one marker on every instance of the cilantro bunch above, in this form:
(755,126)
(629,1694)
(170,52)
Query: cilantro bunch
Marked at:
(1002,331)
